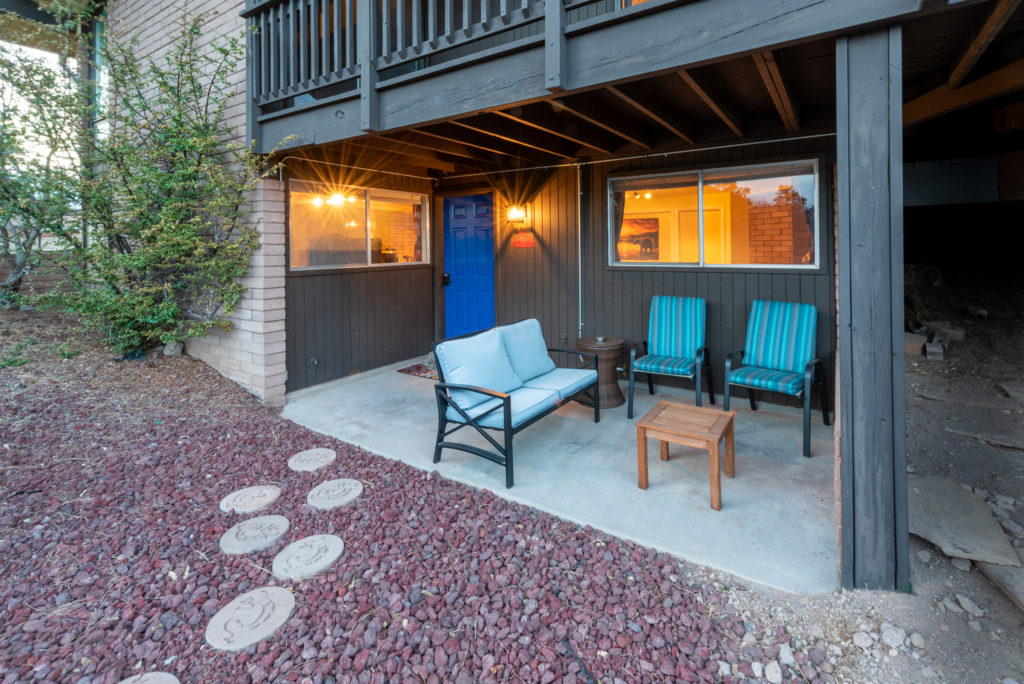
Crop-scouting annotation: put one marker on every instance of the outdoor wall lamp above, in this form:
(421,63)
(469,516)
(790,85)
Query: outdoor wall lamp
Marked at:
(519,217)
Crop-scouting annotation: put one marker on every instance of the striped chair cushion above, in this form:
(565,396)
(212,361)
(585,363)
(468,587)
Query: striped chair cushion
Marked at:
(771,380)
(665,365)
(780,335)
(676,327)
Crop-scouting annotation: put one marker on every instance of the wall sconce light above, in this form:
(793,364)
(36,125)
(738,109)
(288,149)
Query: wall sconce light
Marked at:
(517,214)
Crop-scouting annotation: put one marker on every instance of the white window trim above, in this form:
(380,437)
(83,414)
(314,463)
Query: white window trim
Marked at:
(815,266)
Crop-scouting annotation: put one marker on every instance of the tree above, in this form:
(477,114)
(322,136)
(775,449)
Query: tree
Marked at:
(159,237)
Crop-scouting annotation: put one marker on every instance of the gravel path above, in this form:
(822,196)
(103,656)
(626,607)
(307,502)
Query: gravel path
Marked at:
(110,479)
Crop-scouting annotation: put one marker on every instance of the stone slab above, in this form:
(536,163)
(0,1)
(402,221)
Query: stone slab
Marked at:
(307,556)
(1009,579)
(334,493)
(955,334)
(252,617)
(311,459)
(151,678)
(253,534)
(250,499)
(913,344)
(957,521)
(1014,388)
(1004,439)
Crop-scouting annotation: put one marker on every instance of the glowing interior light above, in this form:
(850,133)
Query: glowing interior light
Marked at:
(335,200)
(351,198)
(647,195)
(318,201)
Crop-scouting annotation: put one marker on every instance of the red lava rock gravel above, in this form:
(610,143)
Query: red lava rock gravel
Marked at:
(110,478)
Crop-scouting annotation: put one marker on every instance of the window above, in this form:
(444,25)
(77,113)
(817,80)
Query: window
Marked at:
(336,227)
(745,216)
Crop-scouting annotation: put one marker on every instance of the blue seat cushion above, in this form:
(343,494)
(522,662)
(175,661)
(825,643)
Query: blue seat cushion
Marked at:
(565,381)
(479,360)
(665,365)
(769,379)
(526,403)
(526,349)
(676,327)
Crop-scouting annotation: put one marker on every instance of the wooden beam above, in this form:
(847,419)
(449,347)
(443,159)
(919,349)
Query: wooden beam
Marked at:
(510,139)
(944,99)
(649,113)
(716,101)
(872,386)
(426,141)
(993,25)
(550,130)
(461,140)
(556,56)
(775,82)
(575,111)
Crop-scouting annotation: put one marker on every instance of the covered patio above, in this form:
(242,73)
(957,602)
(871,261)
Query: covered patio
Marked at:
(777,525)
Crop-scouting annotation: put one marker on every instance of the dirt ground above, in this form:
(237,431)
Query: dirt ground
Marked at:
(898,637)
(961,393)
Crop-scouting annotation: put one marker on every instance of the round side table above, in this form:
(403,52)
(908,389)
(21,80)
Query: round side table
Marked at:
(608,350)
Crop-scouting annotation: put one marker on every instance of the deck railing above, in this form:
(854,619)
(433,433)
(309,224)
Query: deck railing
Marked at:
(301,51)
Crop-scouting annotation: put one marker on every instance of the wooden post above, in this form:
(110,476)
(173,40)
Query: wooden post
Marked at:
(555,56)
(869,142)
(369,98)
(253,90)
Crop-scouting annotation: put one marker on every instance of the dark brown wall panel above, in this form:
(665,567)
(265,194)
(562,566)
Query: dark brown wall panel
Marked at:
(352,322)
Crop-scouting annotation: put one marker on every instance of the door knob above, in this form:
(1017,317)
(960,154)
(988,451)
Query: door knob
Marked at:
(446,279)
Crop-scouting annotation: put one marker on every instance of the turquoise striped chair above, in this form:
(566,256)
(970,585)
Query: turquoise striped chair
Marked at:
(674,345)
(779,357)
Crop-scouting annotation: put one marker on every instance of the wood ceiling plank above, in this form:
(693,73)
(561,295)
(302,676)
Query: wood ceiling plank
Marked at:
(424,141)
(387,150)
(995,22)
(649,113)
(775,82)
(945,99)
(473,142)
(716,101)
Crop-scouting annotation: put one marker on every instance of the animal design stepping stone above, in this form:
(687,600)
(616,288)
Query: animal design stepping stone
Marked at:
(250,499)
(151,678)
(308,556)
(251,617)
(254,534)
(334,493)
(311,459)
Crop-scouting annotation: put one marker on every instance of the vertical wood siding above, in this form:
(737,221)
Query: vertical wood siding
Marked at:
(352,322)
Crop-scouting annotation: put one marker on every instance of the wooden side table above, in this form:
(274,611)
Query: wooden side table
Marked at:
(608,350)
(702,428)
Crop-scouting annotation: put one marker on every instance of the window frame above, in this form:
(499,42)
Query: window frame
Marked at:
(818,266)
(426,247)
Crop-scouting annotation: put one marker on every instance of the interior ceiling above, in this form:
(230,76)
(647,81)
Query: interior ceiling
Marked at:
(770,94)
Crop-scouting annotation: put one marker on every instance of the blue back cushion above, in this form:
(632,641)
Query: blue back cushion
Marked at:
(479,360)
(676,327)
(780,335)
(527,351)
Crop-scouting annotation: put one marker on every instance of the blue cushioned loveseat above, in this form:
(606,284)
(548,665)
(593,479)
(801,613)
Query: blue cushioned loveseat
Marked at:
(503,379)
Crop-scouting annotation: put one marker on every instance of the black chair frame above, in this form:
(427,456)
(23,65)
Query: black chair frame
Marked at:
(702,364)
(814,374)
(502,454)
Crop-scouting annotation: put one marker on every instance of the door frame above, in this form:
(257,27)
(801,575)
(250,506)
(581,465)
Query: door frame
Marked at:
(438,248)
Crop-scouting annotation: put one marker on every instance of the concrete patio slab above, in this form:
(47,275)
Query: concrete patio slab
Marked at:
(777,523)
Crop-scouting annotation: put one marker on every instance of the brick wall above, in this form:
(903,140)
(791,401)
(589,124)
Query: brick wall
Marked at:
(778,234)
(252,353)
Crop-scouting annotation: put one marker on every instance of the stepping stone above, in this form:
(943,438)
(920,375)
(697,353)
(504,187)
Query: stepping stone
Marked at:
(306,557)
(251,617)
(334,493)
(151,678)
(311,459)
(253,534)
(250,499)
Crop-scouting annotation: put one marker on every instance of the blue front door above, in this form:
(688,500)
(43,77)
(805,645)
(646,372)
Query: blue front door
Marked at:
(468,264)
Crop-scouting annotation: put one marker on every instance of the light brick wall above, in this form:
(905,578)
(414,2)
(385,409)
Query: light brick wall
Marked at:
(252,353)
